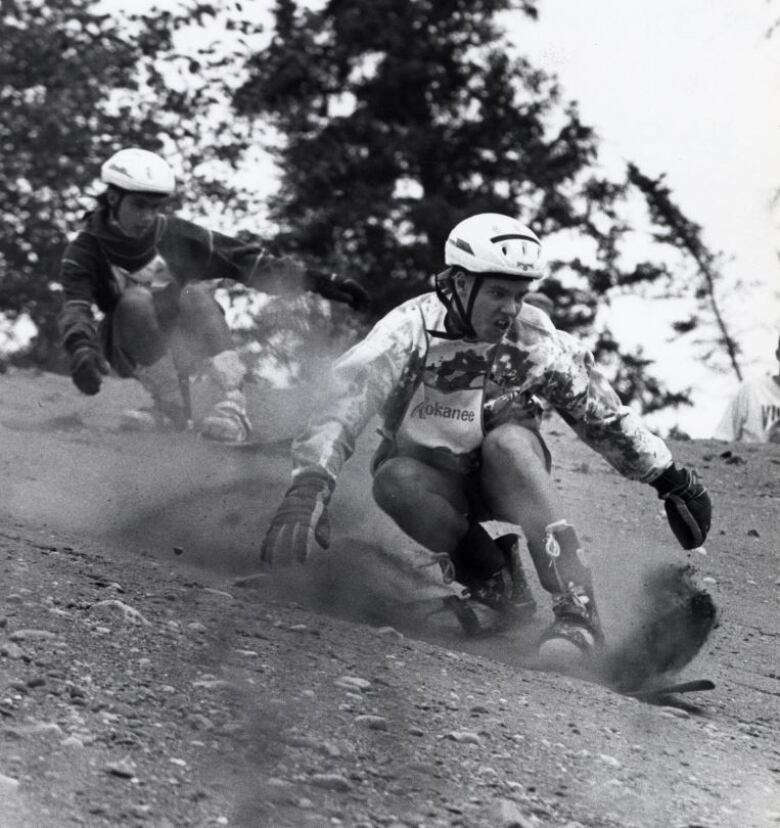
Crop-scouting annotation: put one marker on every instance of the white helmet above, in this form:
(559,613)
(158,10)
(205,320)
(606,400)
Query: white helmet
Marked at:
(493,243)
(139,171)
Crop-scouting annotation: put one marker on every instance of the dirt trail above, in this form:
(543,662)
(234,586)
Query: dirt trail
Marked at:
(140,686)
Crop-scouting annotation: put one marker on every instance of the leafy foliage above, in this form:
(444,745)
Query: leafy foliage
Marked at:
(77,85)
(402,119)
(390,120)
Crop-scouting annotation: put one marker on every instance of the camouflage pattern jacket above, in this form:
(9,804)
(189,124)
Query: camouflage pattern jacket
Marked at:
(533,361)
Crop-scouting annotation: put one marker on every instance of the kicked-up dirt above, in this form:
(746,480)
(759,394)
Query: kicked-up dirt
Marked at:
(140,685)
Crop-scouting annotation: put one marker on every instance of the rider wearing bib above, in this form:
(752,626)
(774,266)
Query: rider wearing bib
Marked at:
(458,376)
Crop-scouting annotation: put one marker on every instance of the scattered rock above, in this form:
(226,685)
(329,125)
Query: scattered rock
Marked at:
(609,760)
(12,651)
(675,713)
(372,722)
(353,683)
(72,742)
(507,814)
(388,632)
(124,769)
(31,635)
(330,781)
(42,728)
(465,736)
(8,784)
(129,615)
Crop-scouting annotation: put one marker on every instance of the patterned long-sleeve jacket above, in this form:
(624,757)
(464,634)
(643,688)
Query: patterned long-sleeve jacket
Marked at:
(440,391)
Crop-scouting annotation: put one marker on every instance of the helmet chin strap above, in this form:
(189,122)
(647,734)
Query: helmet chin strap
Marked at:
(113,206)
(448,294)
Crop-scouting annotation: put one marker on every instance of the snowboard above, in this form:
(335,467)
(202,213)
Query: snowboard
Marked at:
(406,587)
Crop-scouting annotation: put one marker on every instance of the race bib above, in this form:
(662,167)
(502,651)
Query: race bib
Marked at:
(154,275)
(446,409)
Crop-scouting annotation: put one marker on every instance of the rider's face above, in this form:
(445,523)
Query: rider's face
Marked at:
(137,212)
(497,303)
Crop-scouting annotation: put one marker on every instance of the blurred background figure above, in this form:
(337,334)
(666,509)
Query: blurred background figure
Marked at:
(753,414)
(145,270)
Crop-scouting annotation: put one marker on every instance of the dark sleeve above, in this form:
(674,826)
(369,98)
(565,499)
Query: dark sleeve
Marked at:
(78,273)
(214,255)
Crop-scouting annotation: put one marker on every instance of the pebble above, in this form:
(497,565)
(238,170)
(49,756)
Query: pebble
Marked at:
(507,814)
(331,781)
(353,683)
(72,741)
(41,728)
(8,784)
(388,632)
(675,713)
(196,626)
(124,770)
(12,651)
(372,722)
(31,635)
(465,736)
(129,614)
(141,811)
(609,760)
(200,721)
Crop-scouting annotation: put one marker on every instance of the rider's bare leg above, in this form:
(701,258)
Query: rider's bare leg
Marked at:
(203,333)
(430,505)
(517,487)
(427,503)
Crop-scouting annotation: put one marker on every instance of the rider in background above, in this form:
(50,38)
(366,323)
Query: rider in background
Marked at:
(457,375)
(141,268)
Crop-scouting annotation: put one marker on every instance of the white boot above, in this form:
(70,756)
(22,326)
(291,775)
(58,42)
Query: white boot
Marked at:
(227,422)
(161,381)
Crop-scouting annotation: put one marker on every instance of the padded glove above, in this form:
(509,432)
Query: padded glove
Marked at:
(338,288)
(687,504)
(300,525)
(87,368)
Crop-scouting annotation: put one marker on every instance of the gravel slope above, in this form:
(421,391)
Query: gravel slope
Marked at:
(139,685)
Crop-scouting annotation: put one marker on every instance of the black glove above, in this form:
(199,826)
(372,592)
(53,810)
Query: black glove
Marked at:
(338,288)
(688,506)
(87,368)
(300,524)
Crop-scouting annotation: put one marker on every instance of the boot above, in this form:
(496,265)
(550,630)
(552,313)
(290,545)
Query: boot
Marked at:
(227,422)
(576,629)
(168,410)
(493,574)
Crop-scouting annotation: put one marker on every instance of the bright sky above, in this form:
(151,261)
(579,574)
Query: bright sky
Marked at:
(688,88)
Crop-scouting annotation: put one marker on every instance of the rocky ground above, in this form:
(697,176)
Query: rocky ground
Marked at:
(140,685)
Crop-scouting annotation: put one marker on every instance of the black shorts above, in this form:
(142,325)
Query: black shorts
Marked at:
(467,466)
